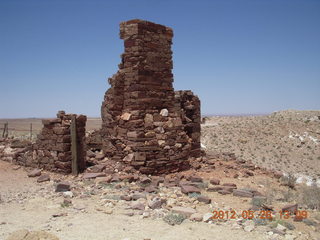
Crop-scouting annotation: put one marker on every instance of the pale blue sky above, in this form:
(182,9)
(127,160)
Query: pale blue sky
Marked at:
(237,56)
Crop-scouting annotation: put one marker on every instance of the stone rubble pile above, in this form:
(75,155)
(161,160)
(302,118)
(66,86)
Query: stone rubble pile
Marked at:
(52,150)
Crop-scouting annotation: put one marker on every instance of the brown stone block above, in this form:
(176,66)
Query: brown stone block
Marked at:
(64,139)
(62,165)
(139,156)
(61,130)
(62,147)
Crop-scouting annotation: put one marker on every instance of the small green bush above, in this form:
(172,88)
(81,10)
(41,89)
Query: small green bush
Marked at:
(174,219)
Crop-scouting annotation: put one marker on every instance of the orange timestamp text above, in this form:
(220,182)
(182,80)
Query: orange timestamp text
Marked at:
(262,214)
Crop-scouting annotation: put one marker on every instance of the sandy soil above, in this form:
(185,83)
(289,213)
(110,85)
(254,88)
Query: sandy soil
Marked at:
(287,140)
(32,206)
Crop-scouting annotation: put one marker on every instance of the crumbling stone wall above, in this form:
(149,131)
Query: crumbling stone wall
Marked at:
(145,123)
(190,105)
(52,150)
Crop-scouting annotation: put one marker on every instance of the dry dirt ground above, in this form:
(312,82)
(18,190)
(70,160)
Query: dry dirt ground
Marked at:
(30,205)
(95,211)
(287,140)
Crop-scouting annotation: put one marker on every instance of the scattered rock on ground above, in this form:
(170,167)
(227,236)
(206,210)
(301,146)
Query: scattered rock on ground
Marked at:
(43,178)
(63,187)
(185,211)
(34,173)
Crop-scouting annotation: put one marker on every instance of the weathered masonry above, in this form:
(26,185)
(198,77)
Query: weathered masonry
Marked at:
(145,122)
(52,150)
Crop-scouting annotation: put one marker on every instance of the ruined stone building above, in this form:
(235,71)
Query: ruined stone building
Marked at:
(145,122)
(52,150)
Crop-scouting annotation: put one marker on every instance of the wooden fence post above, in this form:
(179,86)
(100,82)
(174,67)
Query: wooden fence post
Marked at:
(5,130)
(74,146)
(30,131)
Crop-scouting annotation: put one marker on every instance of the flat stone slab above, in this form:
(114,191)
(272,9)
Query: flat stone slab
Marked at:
(93,175)
(224,192)
(34,173)
(189,189)
(43,178)
(242,193)
(214,189)
(291,208)
(185,211)
(63,187)
(215,181)
(204,199)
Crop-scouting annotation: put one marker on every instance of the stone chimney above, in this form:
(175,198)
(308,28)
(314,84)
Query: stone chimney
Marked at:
(145,123)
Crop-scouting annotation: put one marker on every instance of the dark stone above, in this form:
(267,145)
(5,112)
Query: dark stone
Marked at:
(34,173)
(291,208)
(214,189)
(43,178)
(93,175)
(224,192)
(63,187)
(189,189)
(215,181)
(242,193)
(204,199)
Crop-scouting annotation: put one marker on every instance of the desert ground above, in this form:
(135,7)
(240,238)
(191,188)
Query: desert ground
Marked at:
(252,163)
(287,140)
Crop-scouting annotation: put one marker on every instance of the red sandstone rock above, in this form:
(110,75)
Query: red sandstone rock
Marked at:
(242,193)
(231,185)
(137,206)
(291,208)
(156,203)
(195,179)
(93,175)
(224,192)
(214,189)
(34,173)
(151,189)
(97,168)
(43,178)
(145,180)
(189,189)
(145,123)
(215,181)
(126,197)
(204,199)
(63,187)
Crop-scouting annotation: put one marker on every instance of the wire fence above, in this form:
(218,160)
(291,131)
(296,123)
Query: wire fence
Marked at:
(7,132)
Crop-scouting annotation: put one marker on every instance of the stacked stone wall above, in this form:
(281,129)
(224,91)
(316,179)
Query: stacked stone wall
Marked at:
(52,149)
(145,123)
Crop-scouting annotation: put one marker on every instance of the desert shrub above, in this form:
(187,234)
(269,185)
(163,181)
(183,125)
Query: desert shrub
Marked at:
(65,204)
(271,192)
(174,218)
(288,195)
(289,181)
(284,223)
(194,195)
(310,196)
(258,201)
